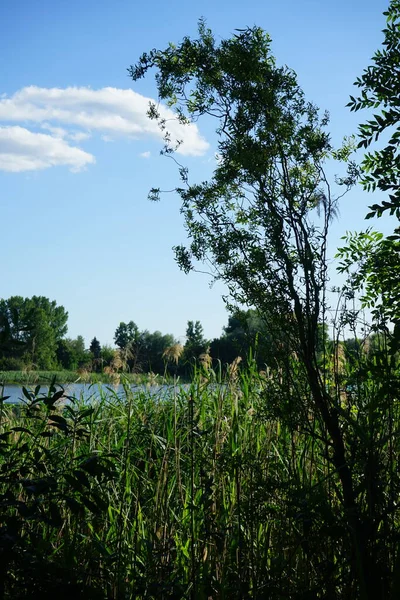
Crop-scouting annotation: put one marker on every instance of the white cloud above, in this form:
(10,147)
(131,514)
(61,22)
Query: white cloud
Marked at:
(146,154)
(58,132)
(79,136)
(24,150)
(112,112)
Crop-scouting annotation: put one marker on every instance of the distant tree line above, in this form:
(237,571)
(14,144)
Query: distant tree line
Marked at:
(33,330)
(33,336)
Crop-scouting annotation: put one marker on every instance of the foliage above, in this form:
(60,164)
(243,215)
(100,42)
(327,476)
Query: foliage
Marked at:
(125,334)
(380,88)
(30,329)
(245,333)
(212,491)
(370,260)
(95,348)
(49,480)
(195,344)
(261,224)
(71,353)
(373,265)
(107,354)
(151,347)
(95,351)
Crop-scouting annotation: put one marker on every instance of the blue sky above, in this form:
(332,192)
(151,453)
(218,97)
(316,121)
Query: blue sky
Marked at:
(77,156)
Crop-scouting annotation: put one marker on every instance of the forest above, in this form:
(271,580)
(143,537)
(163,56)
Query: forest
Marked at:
(33,338)
(274,472)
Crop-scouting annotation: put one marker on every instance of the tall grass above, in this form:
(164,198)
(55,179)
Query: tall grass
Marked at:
(222,490)
(62,377)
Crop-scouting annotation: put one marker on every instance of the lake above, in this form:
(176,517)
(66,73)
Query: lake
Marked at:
(91,391)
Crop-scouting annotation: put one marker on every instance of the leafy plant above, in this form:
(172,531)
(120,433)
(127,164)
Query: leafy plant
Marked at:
(48,479)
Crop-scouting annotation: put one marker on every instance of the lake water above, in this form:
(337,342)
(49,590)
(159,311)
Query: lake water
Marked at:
(90,391)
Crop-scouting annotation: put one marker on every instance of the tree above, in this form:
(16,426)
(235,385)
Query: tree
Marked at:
(261,221)
(251,221)
(151,347)
(78,345)
(65,356)
(370,259)
(30,328)
(107,354)
(71,353)
(125,334)
(245,333)
(196,344)
(380,88)
(95,351)
(95,348)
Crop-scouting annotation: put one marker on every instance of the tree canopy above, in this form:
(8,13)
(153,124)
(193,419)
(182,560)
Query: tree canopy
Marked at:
(30,329)
(125,334)
(370,259)
(380,88)
(254,222)
(261,221)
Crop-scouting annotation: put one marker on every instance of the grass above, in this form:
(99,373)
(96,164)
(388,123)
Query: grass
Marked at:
(216,491)
(45,377)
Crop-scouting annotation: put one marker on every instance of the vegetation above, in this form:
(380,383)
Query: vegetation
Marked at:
(261,223)
(24,378)
(223,491)
(274,475)
(30,329)
(380,88)
(138,353)
(370,259)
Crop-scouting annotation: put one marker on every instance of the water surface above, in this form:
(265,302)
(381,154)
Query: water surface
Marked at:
(89,392)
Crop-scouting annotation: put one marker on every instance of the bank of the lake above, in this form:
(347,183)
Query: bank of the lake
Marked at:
(62,377)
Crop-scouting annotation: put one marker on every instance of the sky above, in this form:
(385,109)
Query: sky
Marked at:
(78,155)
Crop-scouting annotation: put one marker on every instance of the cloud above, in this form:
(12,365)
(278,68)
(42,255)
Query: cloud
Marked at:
(24,150)
(58,132)
(145,154)
(79,136)
(112,112)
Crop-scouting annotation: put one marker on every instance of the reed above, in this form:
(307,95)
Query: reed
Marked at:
(28,378)
(223,489)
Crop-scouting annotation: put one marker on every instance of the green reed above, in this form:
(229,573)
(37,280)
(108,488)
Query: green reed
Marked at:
(63,377)
(220,489)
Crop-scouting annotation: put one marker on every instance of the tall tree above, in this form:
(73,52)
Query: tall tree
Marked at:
(95,351)
(95,348)
(151,347)
(196,344)
(261,221)
(125,334)
(30,328)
